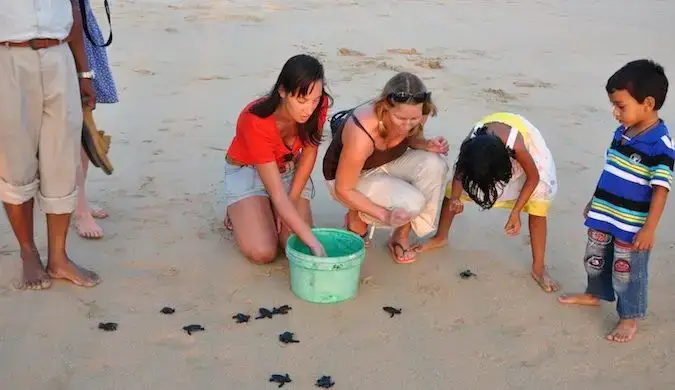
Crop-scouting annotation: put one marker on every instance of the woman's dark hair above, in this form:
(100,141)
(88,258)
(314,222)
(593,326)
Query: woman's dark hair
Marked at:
(296,77)
(484,167)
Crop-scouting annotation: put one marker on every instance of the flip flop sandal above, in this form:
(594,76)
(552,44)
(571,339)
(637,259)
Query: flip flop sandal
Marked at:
(392,248)
(95,143)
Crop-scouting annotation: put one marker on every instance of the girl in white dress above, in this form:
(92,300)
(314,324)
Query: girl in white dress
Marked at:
(504,163)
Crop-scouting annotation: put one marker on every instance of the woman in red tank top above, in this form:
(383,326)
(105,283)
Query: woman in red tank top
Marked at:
(380,166)
(270,159)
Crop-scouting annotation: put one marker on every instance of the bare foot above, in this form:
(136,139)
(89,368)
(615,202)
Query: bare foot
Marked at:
(227,223)
(545,282)
(34,275)
(99,213)
(74,273)
(624,331)
(579,299)
(431,244)
(86,227)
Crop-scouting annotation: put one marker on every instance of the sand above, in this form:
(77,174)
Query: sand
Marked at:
(186,68)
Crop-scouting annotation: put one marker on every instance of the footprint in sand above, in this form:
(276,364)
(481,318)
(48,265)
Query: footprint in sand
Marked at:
(214,77)
(411,51)
(144,72)
(343,51)
(498,95)
(533,84)
(429,63)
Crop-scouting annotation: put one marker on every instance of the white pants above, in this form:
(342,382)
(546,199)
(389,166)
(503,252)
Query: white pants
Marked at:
(40,127)
(415,182)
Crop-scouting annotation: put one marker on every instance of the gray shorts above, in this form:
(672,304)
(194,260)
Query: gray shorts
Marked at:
(244,182)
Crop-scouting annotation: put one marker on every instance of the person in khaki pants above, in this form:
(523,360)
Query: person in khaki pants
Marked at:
(43,77)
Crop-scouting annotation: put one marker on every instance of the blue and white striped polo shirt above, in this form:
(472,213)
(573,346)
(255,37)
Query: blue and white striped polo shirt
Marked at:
(621,201)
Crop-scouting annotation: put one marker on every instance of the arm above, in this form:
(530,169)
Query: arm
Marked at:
(418,141)
(661,177)
(525,159)
(76,39)
(357,147)
(303,171)
(307,159)
(456,188)
(260,141)
(658,203)
(269,175)
(76,43)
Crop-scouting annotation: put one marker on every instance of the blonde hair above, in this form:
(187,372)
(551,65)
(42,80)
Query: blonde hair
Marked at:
(403,82)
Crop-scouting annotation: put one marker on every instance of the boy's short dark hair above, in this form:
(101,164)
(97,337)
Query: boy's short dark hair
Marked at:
(641,78)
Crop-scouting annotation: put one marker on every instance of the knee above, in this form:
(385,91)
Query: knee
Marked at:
(260,254)
(435,164)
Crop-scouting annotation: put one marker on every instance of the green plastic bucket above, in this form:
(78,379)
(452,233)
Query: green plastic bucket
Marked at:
(330,279)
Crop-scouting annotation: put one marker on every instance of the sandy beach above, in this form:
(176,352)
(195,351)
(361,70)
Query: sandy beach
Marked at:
(186,68)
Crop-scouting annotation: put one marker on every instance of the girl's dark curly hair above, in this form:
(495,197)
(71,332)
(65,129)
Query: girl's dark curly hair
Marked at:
(484,167)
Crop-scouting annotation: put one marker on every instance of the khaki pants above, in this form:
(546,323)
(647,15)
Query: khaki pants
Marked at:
(40,127)
(415,182)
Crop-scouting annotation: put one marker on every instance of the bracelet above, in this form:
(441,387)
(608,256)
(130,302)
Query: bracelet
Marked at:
(85,75)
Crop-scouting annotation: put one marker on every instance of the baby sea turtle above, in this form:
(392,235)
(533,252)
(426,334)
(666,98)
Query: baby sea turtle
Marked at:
(466,274)
(264,313)
(108,326)
(287,337)
(241,317)
(392,311)
(325,382)
(193,328)
(167,310)
(280,379)
(281,309)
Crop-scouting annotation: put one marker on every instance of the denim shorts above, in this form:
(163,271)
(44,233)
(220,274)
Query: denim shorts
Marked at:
(242,182)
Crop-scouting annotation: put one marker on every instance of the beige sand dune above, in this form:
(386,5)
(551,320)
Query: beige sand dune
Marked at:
(186,68)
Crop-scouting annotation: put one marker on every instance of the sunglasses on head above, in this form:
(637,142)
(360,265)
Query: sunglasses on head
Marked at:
(406,97)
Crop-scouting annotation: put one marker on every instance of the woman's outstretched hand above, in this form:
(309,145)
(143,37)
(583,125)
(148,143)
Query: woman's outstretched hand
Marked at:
(438,145)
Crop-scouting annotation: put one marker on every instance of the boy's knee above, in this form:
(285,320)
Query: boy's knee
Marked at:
(261,255)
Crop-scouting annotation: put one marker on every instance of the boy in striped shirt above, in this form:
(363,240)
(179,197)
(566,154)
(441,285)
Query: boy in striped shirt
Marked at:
(630,197)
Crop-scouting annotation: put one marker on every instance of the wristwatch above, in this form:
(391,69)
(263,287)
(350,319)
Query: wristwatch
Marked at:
(86,75)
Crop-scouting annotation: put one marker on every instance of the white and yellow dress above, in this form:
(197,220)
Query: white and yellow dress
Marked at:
(540,201)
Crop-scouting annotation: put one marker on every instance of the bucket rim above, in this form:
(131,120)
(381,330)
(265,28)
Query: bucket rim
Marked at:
(290,250)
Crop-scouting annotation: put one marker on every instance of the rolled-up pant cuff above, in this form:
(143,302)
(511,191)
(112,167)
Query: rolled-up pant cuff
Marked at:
(64,205)
(16,195)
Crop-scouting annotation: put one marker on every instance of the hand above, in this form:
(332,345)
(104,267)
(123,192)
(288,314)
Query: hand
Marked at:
(644,240)
(398,217)
(512,226)
(587,209)
(88,93)
(456,206)
(318,250)
(438,145)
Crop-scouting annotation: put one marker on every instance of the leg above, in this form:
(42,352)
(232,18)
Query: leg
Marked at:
(84,217)
(355,224)
(20,118)
(440,239)
(630,279)
(598,263)
(254,228)
(59,145)
(21,219)
(538,244)
(388,191)
(399,245)
(305,211)
(428,173)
